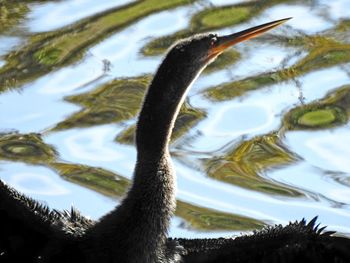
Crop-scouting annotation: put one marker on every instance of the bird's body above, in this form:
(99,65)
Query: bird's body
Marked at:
(21,241)
(297,242)
(137,230)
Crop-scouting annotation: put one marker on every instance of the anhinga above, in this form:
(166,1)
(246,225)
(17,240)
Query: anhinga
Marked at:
(136,231)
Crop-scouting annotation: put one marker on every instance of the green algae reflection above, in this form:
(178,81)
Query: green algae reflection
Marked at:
(208,20)
(113,185)
(29,148)
(222,17)
(97,179)
(244,165)
(331,111)
(223,61)
(45,52)
(13,12)
(115,101)
(121,100)
(208,219)
(318,117)
(323,52)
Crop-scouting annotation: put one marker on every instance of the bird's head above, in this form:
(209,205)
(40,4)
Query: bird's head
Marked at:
(199,50)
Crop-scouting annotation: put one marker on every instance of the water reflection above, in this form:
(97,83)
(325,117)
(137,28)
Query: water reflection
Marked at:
(264,118)
(237,155)
(315,85)
(24,111)
(86,144)
(95,147)
(268,58)
(31,183)
(201,190)
(43,184)
(122,49)
(48,16)
(7,43)
(305,18)
(70,79)
(335,9)
(325,149)
(232,120)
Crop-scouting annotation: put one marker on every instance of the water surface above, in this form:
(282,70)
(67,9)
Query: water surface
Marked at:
(265,137)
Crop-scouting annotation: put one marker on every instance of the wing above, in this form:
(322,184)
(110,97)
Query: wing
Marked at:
(25,225)
(294,243)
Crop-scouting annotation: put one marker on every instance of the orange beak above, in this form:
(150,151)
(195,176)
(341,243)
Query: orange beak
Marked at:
(225,42)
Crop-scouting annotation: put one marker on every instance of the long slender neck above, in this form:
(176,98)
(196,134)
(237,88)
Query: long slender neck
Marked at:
(141,222)
(154,176)
(160,109)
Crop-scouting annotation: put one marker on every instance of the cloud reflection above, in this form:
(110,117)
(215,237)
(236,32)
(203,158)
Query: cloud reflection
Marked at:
(32,183)
(91,144)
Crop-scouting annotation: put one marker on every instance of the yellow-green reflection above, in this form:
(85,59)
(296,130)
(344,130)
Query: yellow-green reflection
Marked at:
(112,102)
(11,13)
(222,17)
(331,111)
(208,20)
(97,179)
(121,100)
(343,26)
(47,51)
(323,52)
(114,185)
(28,148)
(207,219)
(223,61)
(245,164)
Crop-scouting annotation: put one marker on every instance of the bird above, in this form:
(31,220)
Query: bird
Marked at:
(137,230)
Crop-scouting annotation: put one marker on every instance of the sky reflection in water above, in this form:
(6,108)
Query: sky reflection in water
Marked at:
(321,173)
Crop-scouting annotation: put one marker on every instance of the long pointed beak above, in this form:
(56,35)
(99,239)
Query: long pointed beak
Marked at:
(225,42)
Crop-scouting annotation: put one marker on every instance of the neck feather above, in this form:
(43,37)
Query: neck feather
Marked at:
(160,110)
(143,218)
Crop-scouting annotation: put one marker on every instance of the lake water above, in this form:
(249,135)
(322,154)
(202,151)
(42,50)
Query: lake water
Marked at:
(267,137)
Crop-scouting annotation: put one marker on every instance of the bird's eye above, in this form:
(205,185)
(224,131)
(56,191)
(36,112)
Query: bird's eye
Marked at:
(213,41)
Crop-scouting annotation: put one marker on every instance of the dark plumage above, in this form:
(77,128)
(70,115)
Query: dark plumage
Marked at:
(30,230)
(296,242)
(27,233)
(136,230)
